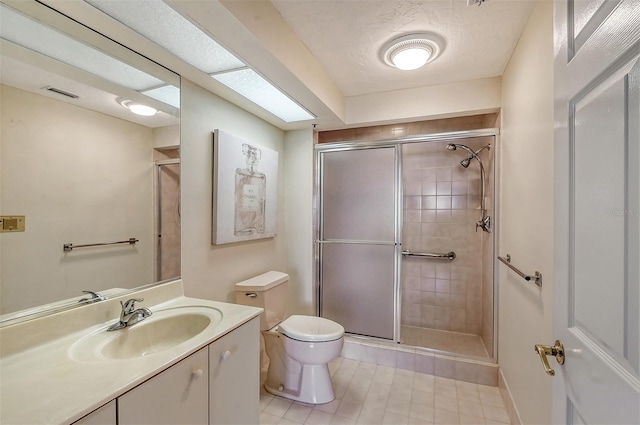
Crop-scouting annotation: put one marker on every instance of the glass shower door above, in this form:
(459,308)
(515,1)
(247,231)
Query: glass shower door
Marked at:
(359,246)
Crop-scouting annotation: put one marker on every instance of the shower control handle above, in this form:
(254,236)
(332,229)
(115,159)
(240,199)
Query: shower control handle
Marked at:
(556,350)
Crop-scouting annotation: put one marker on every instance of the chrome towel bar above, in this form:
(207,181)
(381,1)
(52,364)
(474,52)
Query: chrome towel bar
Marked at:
(449,255)
(69,246)
(537,277)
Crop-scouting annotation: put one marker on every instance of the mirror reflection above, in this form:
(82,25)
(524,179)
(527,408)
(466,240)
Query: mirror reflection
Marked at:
(89,156)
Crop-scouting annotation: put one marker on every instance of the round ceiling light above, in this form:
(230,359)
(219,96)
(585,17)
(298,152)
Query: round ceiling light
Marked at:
(411,51)
(138,108)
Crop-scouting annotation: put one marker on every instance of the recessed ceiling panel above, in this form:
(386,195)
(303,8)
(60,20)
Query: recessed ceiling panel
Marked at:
(158,22)
(251,85)
(168,94)
(25,32)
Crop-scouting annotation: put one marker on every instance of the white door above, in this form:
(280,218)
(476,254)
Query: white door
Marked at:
(597,108)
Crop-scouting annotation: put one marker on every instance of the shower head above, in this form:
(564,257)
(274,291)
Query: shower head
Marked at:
(465,163)
(485,222)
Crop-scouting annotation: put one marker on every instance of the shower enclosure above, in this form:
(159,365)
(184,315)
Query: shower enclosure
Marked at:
(405,245)
(168,219)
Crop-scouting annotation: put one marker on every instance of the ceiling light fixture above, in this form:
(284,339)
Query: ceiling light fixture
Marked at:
(412,51)
(138,108)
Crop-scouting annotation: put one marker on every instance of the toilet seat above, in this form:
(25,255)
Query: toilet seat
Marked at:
(311,329)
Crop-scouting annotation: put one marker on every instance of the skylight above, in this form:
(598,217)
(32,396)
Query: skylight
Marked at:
(49,42)
(157,21)
(254,87)
(167,93)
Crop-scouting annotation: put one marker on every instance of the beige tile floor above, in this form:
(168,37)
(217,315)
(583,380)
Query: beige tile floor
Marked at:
(372,394)
(453,342)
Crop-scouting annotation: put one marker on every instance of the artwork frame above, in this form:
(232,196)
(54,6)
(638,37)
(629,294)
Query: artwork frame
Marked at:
(245,190)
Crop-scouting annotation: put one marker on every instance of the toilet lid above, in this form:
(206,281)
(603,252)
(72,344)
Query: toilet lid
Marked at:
(311,328)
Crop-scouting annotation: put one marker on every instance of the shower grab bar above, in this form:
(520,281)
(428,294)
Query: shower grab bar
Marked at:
(537,277)
(449,255)
(69,246)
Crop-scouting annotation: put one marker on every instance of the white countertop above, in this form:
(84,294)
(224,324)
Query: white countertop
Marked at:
(41,383)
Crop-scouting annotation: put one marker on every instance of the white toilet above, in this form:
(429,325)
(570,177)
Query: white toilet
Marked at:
(299,348)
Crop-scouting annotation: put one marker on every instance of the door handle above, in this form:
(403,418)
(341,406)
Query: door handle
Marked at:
(556,350)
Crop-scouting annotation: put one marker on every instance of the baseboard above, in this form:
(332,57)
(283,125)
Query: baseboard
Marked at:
(512,410)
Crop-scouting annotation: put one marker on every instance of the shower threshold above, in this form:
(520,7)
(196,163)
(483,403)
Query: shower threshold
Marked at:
(452,342)
(478,370)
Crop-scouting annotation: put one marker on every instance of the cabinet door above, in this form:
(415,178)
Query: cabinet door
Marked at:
(235,376)
(179,395)
(105,415)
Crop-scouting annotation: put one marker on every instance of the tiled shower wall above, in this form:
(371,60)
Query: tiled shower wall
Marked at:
(441,207)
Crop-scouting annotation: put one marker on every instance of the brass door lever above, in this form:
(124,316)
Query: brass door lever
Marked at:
(556,350)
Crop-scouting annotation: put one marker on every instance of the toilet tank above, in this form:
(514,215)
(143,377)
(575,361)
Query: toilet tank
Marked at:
(268,291)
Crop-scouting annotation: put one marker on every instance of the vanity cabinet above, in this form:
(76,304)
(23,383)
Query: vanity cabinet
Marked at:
(105,415)
(219,384)
(234,378)
(179,395)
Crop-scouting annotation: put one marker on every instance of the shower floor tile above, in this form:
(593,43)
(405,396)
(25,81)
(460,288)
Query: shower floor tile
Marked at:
(369,394)
(453,342)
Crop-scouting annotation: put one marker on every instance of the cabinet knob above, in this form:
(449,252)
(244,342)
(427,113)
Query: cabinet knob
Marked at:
(196,374)
(225,356)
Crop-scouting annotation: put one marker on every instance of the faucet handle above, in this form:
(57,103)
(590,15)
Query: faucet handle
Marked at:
(127,306)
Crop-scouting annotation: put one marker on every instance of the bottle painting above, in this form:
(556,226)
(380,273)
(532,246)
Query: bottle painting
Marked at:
(250,194)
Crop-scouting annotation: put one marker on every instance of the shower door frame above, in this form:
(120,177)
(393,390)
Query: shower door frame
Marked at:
(397,225)
(158,177)
(398,142)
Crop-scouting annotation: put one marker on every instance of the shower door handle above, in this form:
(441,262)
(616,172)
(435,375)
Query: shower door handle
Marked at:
(556,350)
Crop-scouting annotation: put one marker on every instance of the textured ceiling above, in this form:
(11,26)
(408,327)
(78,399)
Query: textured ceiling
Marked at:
(346,36)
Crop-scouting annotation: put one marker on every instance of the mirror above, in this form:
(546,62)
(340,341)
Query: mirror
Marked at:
(95,186)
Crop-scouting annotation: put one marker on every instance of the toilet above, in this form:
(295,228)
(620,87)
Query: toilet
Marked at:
(299,348)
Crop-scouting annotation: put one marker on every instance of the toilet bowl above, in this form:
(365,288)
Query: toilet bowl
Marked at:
(299,348)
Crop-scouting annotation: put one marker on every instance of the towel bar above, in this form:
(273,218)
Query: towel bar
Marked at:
(537,277)
(69,246)
(449,255)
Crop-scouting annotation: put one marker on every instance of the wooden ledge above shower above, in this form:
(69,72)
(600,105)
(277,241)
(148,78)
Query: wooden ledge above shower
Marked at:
(471,122)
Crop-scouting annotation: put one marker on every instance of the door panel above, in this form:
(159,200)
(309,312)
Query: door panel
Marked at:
(602,217)
(358,195)
(587,16)
(359,239)
(358,287)
(179,395)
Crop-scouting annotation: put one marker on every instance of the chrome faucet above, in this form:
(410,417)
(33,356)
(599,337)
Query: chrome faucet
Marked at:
(95,297)
(130,316)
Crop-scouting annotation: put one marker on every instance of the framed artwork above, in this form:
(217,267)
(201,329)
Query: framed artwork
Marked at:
(245,190)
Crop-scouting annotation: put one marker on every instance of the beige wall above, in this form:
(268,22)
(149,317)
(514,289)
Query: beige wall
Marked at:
(526,215)
(440,101)
(79,177)
(210,271)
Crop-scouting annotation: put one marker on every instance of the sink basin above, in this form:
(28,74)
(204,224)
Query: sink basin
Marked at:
(156,335)
(165,329)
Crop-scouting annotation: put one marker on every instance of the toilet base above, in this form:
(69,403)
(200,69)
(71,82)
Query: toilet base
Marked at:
(315,386)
